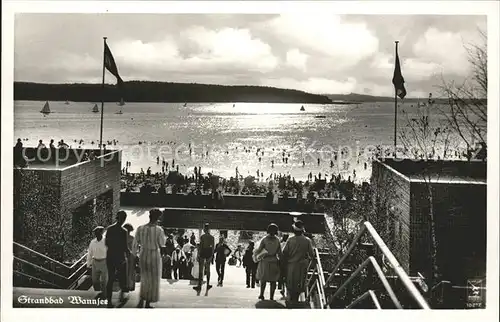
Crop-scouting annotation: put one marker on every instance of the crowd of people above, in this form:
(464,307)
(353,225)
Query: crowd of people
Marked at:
(153,254)
(49,153)
(283,186)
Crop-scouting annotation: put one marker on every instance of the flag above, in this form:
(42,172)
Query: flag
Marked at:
(398,80)
(109,63)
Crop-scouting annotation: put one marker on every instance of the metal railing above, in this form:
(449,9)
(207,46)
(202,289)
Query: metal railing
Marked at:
(315,284)
(363,297)
(365,274)
(31,264)
(35,278)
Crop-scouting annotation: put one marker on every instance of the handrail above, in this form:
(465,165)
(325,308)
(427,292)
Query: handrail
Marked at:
(77,279)
(410,287)
(321,294)
(319,283)
(50,259)
(67,279)
(347,253)
(41,255)
(369,293)
(320,267)
(84,256)
(40,267)
(321,279)
(397,267)
(36,278)
(81,266)
(381,276)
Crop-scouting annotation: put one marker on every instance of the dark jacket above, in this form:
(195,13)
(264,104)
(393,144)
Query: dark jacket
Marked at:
(116,241)
(248,259)
(220,256)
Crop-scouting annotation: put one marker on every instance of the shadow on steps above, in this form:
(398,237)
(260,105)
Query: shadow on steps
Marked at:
(268,304)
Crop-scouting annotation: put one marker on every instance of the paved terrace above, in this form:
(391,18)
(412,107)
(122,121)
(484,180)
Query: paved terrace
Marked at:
(221,219)
(173,294)
(62,159)
(458,172)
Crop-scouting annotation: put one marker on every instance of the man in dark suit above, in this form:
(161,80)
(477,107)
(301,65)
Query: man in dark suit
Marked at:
(117,254)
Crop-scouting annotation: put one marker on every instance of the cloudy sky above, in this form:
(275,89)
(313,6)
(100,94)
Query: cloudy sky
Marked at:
(320,53)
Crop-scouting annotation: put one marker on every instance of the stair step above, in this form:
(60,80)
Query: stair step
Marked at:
(330,290)
(173,294)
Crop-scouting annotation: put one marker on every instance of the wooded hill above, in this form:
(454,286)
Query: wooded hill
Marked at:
(143,91)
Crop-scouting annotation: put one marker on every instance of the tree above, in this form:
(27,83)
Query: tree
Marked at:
(347,215)
(466,110)
(430,137)
(427,139)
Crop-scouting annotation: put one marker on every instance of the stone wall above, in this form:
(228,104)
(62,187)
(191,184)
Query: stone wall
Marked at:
(230,202)
(51,205)
(81,184)
(402,219)
(37,210)
(460,216)
(238,220)
(391,199)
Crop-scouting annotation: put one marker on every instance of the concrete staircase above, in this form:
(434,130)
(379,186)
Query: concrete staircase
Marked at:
(173,294)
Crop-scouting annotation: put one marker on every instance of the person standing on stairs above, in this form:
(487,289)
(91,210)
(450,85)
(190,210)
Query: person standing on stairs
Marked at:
(282,280)
(249,265)
(116,256)
(131,260)
(238,255)
(192,239)
(268,254)
(169,245)
(178,257)
(297,254)
(150,238)
(221,253)
(205,257)
(96,260)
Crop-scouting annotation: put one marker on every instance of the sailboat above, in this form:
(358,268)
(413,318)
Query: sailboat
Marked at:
(95,109)
(46,109)
(120,104)
(302,109)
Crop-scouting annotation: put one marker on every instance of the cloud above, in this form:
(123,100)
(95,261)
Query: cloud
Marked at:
(208,51)
(412,69)
(297,59)
(320,53)
(445,49)
(160,54)
(344,43)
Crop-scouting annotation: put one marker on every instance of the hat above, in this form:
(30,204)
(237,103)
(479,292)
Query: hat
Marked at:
(272,228)
(298,225)
(98,228)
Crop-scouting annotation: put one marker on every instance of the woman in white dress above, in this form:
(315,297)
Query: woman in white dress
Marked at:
(150,238)
(196,265)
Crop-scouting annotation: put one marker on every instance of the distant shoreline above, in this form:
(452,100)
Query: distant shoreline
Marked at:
(163,92)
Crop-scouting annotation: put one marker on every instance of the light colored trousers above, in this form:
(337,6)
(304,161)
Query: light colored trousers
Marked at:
(99,275)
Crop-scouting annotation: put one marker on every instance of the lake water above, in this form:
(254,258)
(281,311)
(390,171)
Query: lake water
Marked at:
(226,132)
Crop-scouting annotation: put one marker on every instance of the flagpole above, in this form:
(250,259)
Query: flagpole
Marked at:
(395,109)
(102,88)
